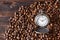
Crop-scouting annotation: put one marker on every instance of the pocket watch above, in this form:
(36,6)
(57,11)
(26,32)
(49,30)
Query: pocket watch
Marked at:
(42,20)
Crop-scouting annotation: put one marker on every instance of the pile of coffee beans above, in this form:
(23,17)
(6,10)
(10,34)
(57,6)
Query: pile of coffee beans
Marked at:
(22,25)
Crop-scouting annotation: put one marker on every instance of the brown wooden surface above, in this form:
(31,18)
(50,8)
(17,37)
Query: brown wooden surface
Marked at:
(7,10)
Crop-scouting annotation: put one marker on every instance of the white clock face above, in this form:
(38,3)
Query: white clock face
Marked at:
(41,20)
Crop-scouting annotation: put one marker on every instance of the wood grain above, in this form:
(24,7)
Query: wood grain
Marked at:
(7,10)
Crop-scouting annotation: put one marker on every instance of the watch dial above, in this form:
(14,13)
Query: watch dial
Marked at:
(41,20)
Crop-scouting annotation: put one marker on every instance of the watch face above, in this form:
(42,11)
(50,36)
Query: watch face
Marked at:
(42,20)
